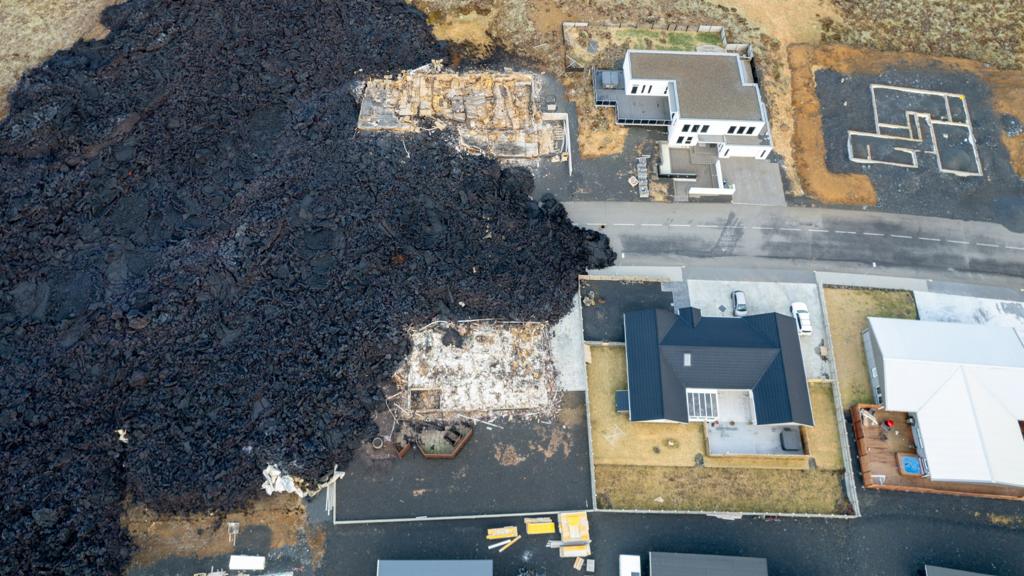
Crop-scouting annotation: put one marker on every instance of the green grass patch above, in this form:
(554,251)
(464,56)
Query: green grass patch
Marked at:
(664,40)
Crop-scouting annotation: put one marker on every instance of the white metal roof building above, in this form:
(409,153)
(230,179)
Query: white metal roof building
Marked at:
(965,385)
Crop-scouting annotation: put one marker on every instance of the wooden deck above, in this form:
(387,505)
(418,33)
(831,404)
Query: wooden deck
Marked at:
(880,470)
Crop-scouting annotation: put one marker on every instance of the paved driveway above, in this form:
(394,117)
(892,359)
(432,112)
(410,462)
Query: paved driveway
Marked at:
(714,299)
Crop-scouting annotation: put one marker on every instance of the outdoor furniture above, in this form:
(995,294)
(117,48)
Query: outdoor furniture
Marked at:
(790,439)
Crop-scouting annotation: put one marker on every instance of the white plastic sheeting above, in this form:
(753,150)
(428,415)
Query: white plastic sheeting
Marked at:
(275,481)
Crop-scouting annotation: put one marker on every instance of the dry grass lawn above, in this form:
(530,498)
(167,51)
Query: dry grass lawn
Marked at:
(823,437)
(719,489)
(654,466)
(204,535)
(848,310)
(645,444)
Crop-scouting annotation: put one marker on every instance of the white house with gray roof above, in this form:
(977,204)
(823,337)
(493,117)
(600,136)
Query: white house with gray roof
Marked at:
(709,102)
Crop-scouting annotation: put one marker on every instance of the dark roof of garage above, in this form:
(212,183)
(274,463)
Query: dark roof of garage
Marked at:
(939,571)
(435,568)
(759,353)
(665,564)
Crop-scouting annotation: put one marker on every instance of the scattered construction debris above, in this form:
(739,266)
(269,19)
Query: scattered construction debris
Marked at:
(479,369)
(493,113)
(574,528)
(539,526)
(504,532)
(277,481)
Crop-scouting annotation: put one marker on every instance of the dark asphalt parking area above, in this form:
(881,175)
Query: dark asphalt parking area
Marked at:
(895,538)
(520,468)
(605,301)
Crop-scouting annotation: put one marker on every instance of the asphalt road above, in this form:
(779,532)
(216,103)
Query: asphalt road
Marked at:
(649,234)
(896,536)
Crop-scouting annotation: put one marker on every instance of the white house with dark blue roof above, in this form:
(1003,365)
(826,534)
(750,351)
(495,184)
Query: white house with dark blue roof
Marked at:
(741,374)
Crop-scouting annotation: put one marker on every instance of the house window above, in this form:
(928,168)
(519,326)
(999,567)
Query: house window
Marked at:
(666,89)
(633,91)
(679,140)
(704,128)
(750,130)
(702,406)
(686,128)
(687,359)
(732,129)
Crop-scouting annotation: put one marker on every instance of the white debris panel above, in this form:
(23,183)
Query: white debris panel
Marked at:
(480,369)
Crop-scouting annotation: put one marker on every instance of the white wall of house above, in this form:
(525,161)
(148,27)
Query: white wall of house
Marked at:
(740,151)
(682,128)
(641,87)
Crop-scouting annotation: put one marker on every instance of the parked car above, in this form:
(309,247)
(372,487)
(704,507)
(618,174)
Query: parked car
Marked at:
(739,303)
(803,318)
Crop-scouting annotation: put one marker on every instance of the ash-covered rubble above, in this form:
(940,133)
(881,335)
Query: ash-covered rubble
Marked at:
(205,269)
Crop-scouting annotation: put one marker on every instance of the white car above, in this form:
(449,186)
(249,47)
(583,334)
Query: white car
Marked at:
(739,303)
(798,310)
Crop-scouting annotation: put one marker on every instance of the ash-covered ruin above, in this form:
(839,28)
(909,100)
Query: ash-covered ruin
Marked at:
(205,268)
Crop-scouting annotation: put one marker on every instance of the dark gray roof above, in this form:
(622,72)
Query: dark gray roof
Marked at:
(759,353)
(938,571)
(435,568)
(665,564)
(709,85)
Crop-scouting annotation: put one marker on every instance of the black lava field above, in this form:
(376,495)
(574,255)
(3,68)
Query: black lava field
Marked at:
(198,248)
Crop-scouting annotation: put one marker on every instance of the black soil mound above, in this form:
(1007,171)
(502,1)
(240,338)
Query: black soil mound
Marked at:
(198,249)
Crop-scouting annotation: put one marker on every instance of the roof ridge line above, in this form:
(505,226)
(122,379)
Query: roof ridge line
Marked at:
(981,436)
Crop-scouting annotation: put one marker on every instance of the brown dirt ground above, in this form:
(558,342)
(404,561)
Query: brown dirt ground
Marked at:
(718,489)
(203,535)
(848,309)
(808,142)
(468,30)
(32,30)
(599,134)
(800,22)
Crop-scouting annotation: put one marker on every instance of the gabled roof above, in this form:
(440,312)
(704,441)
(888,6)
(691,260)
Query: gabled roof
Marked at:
(965,383)
(759,353)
